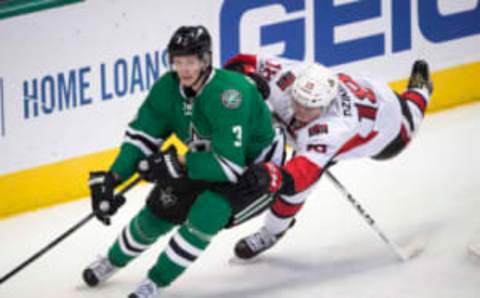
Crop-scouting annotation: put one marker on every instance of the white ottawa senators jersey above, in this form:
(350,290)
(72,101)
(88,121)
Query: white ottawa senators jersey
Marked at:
(362,120)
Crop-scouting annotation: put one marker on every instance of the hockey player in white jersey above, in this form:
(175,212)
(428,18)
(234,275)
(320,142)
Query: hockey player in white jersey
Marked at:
(329,117)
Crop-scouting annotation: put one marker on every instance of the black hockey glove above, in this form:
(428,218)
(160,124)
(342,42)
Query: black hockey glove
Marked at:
(161,165)
(264,178)
(104,203)
(260,82)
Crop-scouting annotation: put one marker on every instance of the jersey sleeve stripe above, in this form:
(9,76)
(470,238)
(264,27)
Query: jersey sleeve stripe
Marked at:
(141,146)
(231,170)
(153,140)
(151,147)
(142,141)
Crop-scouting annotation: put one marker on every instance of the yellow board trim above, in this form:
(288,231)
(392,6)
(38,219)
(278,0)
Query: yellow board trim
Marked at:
(67,180)
(451,87)
(50,184)
(57,182)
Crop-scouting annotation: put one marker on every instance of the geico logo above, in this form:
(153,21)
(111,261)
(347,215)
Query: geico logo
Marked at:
(281,24)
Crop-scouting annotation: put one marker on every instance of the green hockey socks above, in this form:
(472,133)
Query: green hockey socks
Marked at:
(206,218)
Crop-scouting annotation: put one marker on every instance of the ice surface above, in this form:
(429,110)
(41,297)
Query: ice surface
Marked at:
(432,190)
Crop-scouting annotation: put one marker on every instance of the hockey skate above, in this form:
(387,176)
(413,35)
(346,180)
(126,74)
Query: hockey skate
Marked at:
(256,243)
(420,77)
(147,289)
(99,271)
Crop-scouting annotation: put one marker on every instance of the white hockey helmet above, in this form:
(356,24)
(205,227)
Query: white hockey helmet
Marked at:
(315,87)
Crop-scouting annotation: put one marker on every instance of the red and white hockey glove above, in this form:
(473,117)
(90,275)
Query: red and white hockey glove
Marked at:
(264,178)
(246,64)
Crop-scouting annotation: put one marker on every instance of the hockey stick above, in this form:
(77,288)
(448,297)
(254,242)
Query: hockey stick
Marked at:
(403,254)
(64,235)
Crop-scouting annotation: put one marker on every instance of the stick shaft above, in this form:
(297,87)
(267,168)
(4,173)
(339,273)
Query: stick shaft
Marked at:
(60,238)
(47,248)
(367,217)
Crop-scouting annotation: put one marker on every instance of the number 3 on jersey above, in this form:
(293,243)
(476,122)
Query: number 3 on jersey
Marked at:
(237,131)
(364,111)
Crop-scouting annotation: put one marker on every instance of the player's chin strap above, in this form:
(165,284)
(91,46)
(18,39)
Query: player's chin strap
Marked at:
(203,76)
(204,73)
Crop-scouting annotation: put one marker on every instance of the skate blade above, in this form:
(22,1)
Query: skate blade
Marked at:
(237,261)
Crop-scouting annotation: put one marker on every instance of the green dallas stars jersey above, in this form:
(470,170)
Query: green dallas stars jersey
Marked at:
(226,126)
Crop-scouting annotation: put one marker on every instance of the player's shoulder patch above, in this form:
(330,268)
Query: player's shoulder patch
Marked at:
(286,80)
(231,98)
(318,129)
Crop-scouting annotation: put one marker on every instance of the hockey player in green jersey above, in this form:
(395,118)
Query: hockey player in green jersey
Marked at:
(226,125)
